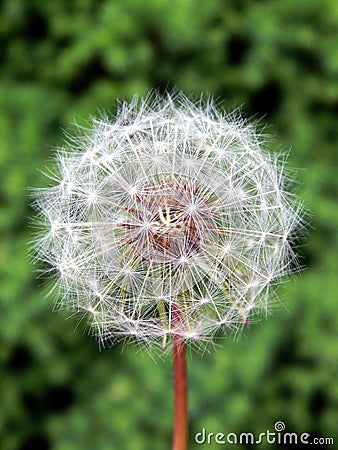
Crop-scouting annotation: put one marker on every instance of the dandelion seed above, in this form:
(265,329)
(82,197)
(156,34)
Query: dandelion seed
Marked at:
(174,206)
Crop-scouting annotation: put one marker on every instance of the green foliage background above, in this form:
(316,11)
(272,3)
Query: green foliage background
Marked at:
(63,59)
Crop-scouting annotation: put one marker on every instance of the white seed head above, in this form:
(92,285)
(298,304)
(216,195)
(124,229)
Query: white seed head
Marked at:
(173,219)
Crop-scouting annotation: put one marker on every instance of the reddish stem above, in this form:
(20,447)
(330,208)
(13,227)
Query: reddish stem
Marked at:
(180,438)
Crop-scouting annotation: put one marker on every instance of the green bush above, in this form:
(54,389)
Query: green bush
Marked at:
(62,60)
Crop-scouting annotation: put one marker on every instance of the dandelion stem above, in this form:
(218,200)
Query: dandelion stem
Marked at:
(180,438)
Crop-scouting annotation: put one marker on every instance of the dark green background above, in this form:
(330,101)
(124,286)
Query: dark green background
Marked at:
(65,59)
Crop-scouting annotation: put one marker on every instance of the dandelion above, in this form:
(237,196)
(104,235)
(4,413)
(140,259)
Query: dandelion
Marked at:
(167,226)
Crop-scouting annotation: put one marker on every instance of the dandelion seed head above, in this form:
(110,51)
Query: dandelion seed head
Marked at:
(172,206)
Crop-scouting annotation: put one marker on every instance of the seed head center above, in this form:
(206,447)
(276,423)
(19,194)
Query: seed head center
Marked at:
(165,223)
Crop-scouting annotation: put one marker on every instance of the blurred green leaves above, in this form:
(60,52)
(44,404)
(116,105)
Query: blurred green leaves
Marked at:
(62,61)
